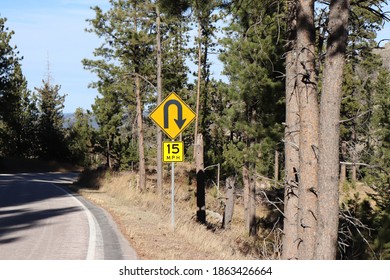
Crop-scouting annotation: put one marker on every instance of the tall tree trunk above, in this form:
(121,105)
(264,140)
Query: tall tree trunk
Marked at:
(328,187)
(309,122)
(198,83)
(249,201)
(276,169)
(200,180)
(229,205)
(291,144)
(343,167)
(140,130)
(354,153)
(252,206)
(246,182)
(159,99)
(140,127)
(108,155)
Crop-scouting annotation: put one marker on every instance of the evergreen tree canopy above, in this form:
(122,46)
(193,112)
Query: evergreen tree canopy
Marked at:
(18,111)
(51,121)
(252,59)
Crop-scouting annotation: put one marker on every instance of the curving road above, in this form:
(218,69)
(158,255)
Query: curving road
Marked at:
(40,219)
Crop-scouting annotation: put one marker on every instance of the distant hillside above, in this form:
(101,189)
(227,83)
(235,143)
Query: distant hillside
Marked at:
(385,54)
(69,119)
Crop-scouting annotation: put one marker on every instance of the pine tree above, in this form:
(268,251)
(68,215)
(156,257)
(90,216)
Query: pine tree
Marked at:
(8,96)
(329,131)
(51,120)
(360,70)
(80,138)
(128,43)
(291,141)
(8,60)
(252,115)
(24,122)
(108,112)
(18,110)
(205,19)
(326,65)
(174,40)
(159,100)
(170,58)
(378,176)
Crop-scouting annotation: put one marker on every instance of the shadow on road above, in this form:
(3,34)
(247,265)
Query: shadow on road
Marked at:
(21,202)
(23,219)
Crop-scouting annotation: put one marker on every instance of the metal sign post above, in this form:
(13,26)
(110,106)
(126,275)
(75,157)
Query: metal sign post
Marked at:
(173,151)
(173,194)
(172,115)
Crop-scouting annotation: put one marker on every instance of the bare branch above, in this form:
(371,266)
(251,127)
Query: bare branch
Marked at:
(143,78)
(272,203)
(350,220)
(355,117)
(365,165)
(295,146)
(379,43)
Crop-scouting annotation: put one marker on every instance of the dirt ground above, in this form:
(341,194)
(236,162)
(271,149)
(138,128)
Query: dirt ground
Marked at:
(145,220)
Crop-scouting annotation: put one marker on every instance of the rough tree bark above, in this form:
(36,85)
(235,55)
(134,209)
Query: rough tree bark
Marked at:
(200,180)
(354,153)
(328,181)
(159,99)
(198,82)
(343,166)
(252,206)
(249,200)
(291,143)
(140,125)
(276,169)
(229,205)
(140,130)
(108,154)
(309,122)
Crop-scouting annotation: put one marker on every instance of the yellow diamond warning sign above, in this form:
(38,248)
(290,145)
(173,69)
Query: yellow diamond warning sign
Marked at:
(172,115)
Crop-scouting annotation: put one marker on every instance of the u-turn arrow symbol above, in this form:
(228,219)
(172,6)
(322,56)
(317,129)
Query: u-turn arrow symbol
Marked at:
(179,121)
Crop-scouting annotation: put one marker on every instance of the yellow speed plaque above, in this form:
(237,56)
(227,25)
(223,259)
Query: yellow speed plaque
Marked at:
(173,151)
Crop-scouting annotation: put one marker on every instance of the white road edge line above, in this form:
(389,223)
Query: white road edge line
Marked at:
(92,243)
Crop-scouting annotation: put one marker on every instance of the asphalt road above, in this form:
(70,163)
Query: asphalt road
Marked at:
(40,219)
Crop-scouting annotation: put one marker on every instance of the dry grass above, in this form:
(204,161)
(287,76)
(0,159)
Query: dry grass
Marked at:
(145,219)
(356,191)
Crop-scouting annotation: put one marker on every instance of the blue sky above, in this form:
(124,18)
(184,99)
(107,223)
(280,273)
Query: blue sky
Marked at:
(52,31)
